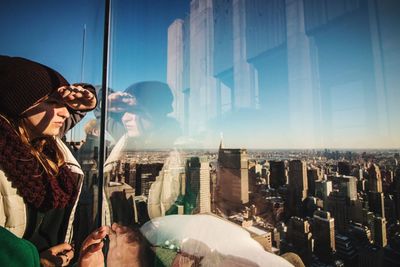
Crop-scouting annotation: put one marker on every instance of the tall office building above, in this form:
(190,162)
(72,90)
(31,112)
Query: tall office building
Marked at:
(390,208)
(232,175)
(145,175)
(356,211)
(193,178)
(203,100)
(323,232)
(297,188)
(175,67)
(361,237)
(244,74)
(337,206)
(376,203)
(298,177)
(198,183)
(238,87)
(374,178)
(205,190)
(300,237)
(322,190)
(313,175)
(278,176)
(396,183)
(254,174)
(302,100)
(344,168)
(380,238)
(348,185)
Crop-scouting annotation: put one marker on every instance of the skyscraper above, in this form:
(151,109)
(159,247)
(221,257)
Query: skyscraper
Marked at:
(313,175)
(203,104)
(374,178)
(298,177)
(300,48)
(175,66)
(205,191)
(322,190)
(297,188)
(396,183)
(145,175)
(380,238)
(300,237)
(376,203)
(323,231)
(198,183)
(348,185)
(337,206)
(344,168)
(233,178)
(277,175)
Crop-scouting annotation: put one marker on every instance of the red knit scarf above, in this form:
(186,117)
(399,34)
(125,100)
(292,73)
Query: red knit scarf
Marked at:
(26,174)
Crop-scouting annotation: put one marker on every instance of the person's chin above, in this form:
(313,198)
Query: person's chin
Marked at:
(133,134)
(52,132)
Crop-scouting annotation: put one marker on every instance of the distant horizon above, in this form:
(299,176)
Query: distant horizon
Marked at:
(268,149)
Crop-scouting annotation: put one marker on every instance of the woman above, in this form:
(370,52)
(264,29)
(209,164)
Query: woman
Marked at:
(39,178)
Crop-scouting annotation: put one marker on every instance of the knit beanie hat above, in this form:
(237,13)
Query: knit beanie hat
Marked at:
(153,96)
(23,82)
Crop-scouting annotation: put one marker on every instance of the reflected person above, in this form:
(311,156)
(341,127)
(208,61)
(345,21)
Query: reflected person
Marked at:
(139,116)
(140,113)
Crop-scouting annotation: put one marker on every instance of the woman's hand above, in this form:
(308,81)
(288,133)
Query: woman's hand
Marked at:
(77,97)
(124,247)
(120,102)
(91,254)
(59,255)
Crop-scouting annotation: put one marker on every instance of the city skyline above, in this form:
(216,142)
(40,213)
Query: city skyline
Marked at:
(343,202)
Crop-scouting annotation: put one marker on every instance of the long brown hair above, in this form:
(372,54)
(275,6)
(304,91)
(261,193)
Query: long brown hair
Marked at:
(44,149)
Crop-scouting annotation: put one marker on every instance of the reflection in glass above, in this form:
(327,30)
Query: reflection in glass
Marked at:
(264,74)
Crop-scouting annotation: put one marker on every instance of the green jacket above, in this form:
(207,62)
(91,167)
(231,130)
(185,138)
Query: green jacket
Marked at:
(17,252)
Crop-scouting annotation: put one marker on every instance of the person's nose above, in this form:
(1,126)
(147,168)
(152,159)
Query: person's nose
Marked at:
(63,112)
(128,117)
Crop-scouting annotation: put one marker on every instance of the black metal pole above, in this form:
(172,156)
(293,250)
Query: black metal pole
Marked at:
(104,86)
(83,53)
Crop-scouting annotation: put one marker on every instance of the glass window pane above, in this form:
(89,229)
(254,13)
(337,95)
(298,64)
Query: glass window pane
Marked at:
(67,37)
(270,103)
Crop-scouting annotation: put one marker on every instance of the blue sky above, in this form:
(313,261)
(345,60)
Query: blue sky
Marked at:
(357,85)
(139,49)
(50,32)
